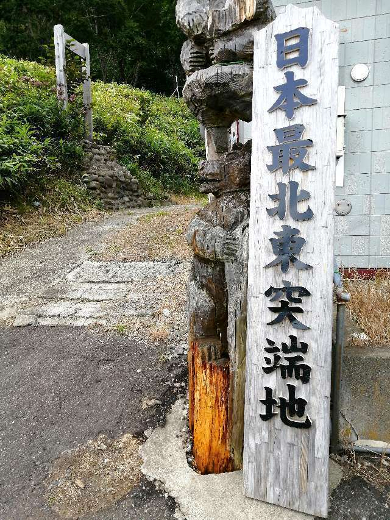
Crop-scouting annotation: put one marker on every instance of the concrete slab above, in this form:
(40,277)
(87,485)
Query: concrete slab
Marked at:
(365,404)
(116,272)
(200,497)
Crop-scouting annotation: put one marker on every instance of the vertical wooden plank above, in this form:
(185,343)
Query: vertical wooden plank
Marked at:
(60,59)
(87,94)
(283,464)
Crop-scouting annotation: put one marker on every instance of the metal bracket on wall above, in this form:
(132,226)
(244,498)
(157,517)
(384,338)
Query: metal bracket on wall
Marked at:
(341,115)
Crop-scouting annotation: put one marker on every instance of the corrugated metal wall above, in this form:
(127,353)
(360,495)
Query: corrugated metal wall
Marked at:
(363,236)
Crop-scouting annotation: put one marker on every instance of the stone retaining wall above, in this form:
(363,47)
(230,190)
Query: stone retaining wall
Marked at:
(110,181)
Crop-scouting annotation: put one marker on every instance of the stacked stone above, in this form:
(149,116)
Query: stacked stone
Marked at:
(110,181)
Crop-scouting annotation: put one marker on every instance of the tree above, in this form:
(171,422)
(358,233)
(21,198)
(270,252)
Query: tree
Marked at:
(131,41)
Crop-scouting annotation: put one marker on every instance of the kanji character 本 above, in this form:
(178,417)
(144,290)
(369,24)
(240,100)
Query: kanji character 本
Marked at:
(285,311)
(295,197)
(284,50)
(290,97)
(286,247)
(288,408)
(291,150)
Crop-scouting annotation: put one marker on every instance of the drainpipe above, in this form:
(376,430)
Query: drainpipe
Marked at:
(342,297)
(371,449)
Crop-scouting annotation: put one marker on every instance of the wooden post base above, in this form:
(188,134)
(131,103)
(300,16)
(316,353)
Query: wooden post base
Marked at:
(209,414)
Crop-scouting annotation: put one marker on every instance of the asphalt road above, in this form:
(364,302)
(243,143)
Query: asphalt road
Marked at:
(62,386)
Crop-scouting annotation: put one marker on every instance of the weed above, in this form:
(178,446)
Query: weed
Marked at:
(121,329)
(369,307)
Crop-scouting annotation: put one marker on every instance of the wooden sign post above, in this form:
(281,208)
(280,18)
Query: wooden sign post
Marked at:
(61,39)
(291,262)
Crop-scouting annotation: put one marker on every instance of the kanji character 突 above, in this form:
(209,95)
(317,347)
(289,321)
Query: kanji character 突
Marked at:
(288,291)
(285,311)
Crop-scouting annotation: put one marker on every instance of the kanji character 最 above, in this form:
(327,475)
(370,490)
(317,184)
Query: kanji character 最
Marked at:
(291,150)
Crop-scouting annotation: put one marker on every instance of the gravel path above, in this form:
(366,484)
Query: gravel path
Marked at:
(114,274)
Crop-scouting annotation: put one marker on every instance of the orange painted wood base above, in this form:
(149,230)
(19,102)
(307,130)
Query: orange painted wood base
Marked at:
(209,395)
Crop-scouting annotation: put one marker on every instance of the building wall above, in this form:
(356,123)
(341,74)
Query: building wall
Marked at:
(363,236)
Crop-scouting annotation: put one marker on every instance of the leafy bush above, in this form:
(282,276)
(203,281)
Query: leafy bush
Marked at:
(37,137)
(20,153)
(156,137)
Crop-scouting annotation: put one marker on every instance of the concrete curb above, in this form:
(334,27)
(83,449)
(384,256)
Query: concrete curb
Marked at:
(211,497)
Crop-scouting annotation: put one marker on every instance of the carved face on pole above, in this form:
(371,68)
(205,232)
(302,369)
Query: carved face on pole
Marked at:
(191,16)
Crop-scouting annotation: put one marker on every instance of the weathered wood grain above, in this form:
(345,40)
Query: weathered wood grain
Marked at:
(75,46)
(205,19)
(59,46)
(87,93)
(283,465)
(209,382)
(61,39)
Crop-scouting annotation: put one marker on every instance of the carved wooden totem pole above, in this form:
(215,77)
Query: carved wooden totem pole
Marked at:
(217,59)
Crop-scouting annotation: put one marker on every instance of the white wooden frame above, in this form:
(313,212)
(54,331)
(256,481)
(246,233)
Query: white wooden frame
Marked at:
(61,39)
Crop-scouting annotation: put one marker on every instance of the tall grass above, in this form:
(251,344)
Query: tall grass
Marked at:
(370,307)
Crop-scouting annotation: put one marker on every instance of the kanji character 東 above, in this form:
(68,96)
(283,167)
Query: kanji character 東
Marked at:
(286,247)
